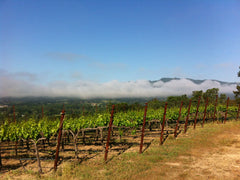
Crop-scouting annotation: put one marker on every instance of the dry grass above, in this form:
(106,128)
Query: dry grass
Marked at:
(189,156)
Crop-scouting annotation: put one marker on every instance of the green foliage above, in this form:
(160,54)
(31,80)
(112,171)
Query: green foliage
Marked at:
(30,130)
(237,92)
(196,95)
(174,100)
(211,95)
(12,132)
(34,129)
(222,98)
(48,127)
(155,104)
(3,131)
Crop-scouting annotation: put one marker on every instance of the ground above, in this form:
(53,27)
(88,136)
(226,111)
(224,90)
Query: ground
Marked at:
(222,162)
(212,152)
(217,159)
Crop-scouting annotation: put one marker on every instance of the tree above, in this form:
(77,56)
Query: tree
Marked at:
(211,95)
(222,98)
(155,104)
(196,95)
(122,107)
(175,100)
(237,93)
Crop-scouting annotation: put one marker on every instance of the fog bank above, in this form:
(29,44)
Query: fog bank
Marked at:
(112,89)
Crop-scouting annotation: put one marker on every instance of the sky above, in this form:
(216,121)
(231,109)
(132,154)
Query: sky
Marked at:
(65,47)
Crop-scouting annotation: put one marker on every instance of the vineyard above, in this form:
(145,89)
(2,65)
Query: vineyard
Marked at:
(110,133)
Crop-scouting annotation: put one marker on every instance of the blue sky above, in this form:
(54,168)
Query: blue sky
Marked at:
(48,42)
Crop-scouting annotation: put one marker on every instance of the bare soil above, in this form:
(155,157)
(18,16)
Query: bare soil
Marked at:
(219,158)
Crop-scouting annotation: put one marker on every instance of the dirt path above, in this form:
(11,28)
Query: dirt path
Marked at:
(219,162)
(222,163)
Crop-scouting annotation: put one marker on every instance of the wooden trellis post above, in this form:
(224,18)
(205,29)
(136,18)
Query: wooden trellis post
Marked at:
(109,133)
(205,111)
(196,115)
(59,140)
(238,111)
(163,124)
(225,118)
(186,122)
(176,128)
(215,108)
(143,127)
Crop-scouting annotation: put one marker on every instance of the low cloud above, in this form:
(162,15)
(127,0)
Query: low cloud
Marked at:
(18,75)
(11,86)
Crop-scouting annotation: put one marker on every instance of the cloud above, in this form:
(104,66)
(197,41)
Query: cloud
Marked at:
(20,88)
(10,86)
(26,75)
(65,56)
(19,75)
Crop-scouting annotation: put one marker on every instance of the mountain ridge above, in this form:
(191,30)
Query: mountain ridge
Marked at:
(196,81)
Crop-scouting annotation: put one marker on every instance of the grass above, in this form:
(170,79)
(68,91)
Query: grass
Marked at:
(132,165)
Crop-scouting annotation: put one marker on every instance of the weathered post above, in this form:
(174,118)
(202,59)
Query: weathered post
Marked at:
(14,117)
(215,108)
(42,112)
(205,110)
(83,110)
(225,118)
(59,139)
(176,128)
(196,115)
(16,142)
(186,122)
(238,111)
(109,133)
(163,124)
(143,127)
(0,158)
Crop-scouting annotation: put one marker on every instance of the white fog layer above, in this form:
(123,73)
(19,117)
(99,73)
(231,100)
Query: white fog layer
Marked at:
(112,89)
